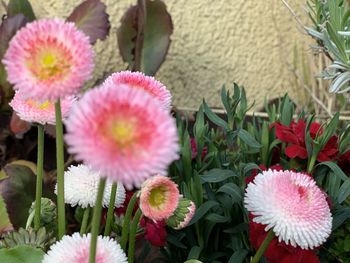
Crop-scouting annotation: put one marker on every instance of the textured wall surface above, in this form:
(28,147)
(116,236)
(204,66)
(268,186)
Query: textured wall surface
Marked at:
(214,43)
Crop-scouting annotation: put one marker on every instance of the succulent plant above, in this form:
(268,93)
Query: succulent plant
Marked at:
(37,239)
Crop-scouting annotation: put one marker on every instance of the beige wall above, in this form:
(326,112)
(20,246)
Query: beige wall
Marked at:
(214,42)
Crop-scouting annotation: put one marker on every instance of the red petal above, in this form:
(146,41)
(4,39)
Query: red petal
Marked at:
(293,151)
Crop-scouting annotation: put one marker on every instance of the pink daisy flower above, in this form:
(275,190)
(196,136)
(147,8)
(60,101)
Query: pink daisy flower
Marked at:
(140,81)
(292,205)
(42,112)
(75,249)
(159,198)
(49,59)
(123,133)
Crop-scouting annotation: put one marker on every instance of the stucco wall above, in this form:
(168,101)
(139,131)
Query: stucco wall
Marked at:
(214,42)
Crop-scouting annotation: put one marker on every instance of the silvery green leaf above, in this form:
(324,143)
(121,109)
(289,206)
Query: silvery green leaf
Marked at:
(314,33)
(344,33)
(339,82)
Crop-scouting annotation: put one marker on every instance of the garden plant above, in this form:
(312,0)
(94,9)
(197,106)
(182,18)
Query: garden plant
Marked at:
(111,172)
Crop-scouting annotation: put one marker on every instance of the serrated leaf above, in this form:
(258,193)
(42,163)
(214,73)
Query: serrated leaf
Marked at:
(91,17)
(24,7)
(217,175)
(248,139)
(202,210)
(157,30)
(21,254)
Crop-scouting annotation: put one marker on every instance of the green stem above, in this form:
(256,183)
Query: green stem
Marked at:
(311,163)
(30,219)
(60,172)
(110,211)
(39,177)
(132,236)
(85,220)
(127,217)
(96,218)
(263,247)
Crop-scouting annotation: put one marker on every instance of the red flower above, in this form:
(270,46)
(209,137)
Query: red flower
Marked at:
(155,232)
(278,252)
(195,151)
(294,136)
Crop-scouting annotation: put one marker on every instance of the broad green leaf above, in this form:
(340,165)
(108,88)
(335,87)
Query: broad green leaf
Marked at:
(216,218)
(24,7)
(194,253)
(21,254)
(335,168)
(217,175)
(247,138)
(340,216)
(202,210)
(193,261)
(238,256)
(5,224)
(157,30)
(232,190)
(91,17)
(344,191)
(213,117)
(18,191)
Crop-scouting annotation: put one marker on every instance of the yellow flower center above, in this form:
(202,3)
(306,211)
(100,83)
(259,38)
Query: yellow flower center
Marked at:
(157,196)
(123,132)
(49,63)
(42,106)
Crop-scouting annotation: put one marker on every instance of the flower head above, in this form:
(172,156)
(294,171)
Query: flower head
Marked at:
(81,185)
(159,198)
(123,133)
(183,214)
(49,59)
(140,81)
(37,111)
(292,205)
(75,249)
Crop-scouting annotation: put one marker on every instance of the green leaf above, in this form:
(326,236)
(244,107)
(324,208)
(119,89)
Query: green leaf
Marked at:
(193,261)
(335,168)
(217,175)
(15,7)
(156,41)
(238,256)
(5,224)
(91,18)
(340,216)
(233,191)
(194,253)
(18,191)
(215,218)
(344,191)
(21,254)
(202,210)
(213,117)
(248,138)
